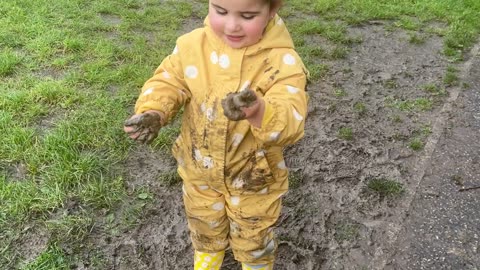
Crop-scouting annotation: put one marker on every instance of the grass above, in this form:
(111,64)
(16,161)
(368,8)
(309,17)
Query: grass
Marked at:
(417,39)
(295,179)
(347,231)
(451,77)
(53,258)
(8,60)
(170,178)
(70,77)
(339,92)
(360,108)
(390,84)
(434,90)
(416,144)
(385,187)
(413,105)
(345,133)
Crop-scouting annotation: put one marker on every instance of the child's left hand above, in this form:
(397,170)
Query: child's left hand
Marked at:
(244,105)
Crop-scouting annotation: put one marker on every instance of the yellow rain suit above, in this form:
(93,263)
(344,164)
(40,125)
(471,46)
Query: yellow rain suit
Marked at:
(234,174)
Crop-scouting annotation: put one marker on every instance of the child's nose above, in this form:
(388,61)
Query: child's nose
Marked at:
(232,24)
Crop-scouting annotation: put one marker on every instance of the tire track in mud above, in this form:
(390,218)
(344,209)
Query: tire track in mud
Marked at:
(384,253)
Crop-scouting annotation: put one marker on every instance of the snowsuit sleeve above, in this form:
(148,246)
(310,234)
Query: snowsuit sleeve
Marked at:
(283,85)
(167,90)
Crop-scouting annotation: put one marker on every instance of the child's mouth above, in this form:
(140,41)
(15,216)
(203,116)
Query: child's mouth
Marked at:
(234,38)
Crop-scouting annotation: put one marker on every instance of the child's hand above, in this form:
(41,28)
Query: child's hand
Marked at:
(144,127)
(238,106)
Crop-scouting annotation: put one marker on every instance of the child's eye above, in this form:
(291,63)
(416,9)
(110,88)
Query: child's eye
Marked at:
(221,12)
(248,17)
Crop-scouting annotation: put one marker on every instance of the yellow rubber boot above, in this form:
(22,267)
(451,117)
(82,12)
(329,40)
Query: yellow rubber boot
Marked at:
(208,261)
(246,266)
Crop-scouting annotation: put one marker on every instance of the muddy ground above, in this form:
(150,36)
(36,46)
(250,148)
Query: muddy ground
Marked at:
(330,219)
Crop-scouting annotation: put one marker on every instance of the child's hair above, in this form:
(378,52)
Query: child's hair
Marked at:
(275,3)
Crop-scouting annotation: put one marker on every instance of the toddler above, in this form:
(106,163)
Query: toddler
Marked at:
(242,87)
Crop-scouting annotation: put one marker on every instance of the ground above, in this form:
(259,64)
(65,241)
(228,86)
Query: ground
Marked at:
(386,177)
(382,114)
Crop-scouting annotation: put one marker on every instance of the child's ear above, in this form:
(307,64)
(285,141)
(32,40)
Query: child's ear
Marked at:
(274,7)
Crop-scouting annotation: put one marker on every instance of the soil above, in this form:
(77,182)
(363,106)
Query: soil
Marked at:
(442,230)
(330,219)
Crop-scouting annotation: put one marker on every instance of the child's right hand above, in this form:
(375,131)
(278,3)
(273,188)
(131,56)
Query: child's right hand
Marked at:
(144,127)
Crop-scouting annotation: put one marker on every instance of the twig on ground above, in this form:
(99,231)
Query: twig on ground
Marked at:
(469,188)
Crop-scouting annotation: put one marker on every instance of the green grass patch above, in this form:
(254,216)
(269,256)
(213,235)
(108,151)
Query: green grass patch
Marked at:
(390,84)
(318,71)
(347,231)
(434,90)
(360,108)
(8,61)
(54,258)
(295,179)
(416,38)
(170,178)
(70,77)
(416,144)
(345,133)
(461,18)
(451,77)
(339,92)
(408,23)
(418,104)
(385,187)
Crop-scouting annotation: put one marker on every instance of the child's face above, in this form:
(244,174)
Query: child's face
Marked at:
(239,23)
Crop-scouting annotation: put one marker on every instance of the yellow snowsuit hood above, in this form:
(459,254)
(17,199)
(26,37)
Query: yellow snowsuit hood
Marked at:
(199,73)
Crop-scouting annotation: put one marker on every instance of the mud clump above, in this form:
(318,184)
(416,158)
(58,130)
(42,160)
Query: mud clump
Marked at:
(234,102)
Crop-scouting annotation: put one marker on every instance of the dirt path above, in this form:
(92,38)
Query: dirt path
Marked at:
(331,220)
(442,228)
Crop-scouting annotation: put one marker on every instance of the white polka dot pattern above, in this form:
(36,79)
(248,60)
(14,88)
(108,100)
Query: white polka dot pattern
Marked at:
(245,86)
(264,191)
(288,59)
(224,61)
(197,155)
(235,200)
(180,162)
(218,206)
(208,162)
(148,91)
(214,57)
(281,165)
(210,114)
(292,90)
(297,115)
(261,153)
(237,139)
(238,183)
(203,187)
(191,72)
(274,136)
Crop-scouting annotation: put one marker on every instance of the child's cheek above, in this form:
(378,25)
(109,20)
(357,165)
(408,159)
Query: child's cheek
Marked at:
(216,24)
(254,29)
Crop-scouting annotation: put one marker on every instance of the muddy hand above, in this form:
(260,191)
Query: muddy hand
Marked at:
(234,102)
(143,127)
